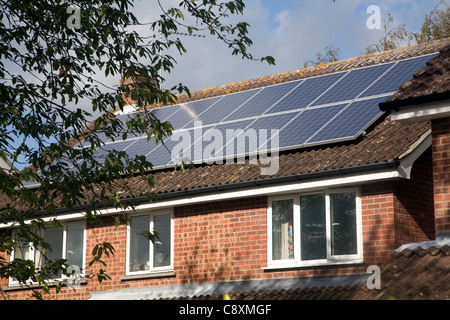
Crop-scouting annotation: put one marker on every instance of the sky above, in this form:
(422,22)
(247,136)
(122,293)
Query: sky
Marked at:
(292,31)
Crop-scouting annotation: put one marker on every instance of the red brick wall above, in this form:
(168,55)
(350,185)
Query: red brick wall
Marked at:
(227,240)
(398,212)
(414,207)
(377,221)
(441,173)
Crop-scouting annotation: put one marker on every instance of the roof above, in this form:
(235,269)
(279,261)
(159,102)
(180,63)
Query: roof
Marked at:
(379,148)
(312,287)
(382,145)
(315,293)
(430,84)
(419,274)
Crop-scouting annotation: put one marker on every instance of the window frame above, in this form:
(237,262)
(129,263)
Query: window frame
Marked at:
(34,252)
(330,259)
(152,269)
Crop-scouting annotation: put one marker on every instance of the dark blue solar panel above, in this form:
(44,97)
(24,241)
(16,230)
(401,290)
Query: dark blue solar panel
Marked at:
(353,84)
(350,122)
(308,122)
(167,155)
(269,123)
(178,147)
(165,113)
(227,105)
(401,73)
(289,109)
(190,112)
(306,92)
(263,101)
(117,146)
(230,136)
(141,147)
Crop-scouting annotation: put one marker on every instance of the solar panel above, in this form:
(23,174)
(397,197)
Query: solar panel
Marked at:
(305,124)
(229,104)
(402,72)
(353,84)
(165,155)
(307,92)
(316,110)
(190,112)
(350,122)
(264,101)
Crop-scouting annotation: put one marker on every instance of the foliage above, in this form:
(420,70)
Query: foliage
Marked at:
(395,36)
(58,67)
(329,54)
(436,26)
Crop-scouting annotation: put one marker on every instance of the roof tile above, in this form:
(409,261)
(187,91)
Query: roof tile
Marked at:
(417,274)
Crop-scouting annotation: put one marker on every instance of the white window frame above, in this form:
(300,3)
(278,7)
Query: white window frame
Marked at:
(330,260)
(33,253)
(151,269)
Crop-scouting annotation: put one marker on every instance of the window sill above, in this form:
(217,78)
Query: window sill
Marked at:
(50,284)
(152,275)
(274,267)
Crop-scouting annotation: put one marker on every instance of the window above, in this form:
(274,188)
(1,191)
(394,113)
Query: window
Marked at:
(314,229)
(66,242)
(144,256)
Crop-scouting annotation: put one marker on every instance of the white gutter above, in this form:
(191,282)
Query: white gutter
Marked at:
(424,111)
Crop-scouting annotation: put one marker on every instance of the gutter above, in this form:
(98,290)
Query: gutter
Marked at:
(397,104)
(256,183)
(278,180)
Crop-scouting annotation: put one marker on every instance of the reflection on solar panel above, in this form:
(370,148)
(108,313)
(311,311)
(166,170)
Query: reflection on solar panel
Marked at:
(312,111)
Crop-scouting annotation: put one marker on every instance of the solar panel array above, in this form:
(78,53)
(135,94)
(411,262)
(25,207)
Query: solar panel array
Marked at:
(312,111)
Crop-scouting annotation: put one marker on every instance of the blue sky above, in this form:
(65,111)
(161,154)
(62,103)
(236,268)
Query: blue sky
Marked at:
(292,31)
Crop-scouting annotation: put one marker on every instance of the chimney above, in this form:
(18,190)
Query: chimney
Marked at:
(128,82)
(441,176)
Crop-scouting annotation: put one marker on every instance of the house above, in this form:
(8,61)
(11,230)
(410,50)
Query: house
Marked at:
(312,226)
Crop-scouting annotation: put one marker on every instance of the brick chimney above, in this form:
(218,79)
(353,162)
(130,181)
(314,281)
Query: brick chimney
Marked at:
(441,175)
(128,82)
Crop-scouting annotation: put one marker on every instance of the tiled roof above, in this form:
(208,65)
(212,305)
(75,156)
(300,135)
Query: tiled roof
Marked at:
(419,274)
(385,143)
(322,293)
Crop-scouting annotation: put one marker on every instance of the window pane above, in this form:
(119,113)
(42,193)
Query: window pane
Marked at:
(313,227)
(54,237)
(161,252)
(74,246)
(22,251)
(282,232)
(343,223)
(139,245)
